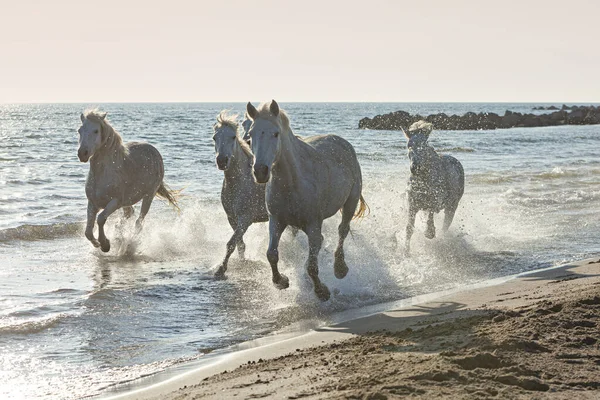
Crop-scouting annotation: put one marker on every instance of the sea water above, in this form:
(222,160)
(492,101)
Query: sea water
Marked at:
(75,321)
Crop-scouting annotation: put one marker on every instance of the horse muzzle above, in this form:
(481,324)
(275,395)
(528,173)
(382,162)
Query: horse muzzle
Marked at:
(222,162)
(261,173)
(83,155)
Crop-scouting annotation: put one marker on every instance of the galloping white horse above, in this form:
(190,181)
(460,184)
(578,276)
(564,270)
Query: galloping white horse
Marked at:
(436,182)
(120,175)
(308,180)
(243,199)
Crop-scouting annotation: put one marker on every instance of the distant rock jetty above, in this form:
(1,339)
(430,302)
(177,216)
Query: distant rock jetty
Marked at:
(574,115)
(564,107)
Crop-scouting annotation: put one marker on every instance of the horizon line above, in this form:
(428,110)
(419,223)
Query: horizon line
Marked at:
(294,101)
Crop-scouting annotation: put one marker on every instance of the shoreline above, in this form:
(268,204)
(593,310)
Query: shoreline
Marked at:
(395,316)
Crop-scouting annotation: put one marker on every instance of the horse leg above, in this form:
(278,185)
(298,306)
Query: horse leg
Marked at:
(430,232)
(241,246)
(340,268)
(315,240)
(410,227)
(92,210)
(128,212)
(449,216)
(110,208)
(146,202)
(236,238)
(275,230)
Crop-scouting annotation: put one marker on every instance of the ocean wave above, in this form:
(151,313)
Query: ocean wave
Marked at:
(114,376)
(25,327)
(33,181)
(56,196)
(555,173)
(41,232)
(492,179)
(457,150)
(559,172)
(558,199)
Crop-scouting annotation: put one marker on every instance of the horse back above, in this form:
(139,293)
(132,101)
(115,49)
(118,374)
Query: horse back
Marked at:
(331,145)
(146,159)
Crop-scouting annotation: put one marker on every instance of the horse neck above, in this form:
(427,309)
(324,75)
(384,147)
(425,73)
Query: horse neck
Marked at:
(287,163)
(428,173)
(112,152)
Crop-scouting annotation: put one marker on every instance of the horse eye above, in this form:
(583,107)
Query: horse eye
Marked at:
(96,131)
(276,134)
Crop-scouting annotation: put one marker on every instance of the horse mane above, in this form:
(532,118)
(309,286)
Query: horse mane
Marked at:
(226,119)
(230,120)
(421,126)
(108,132)
(265,113)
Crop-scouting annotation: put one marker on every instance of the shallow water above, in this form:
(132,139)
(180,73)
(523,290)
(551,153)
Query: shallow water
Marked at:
(74,321)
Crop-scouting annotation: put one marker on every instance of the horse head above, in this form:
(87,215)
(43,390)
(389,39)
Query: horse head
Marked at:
(225,135)
(92,133)
(267,124)
(420,153)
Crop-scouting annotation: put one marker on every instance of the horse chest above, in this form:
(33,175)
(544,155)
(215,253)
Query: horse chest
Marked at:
(103,186)
(427,194)
(291,208)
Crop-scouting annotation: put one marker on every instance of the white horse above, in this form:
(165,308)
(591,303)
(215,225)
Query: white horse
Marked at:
(243,199)
(120,175)
(436,182)
(308,180)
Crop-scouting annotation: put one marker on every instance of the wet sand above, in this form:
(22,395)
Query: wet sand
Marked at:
(535,336)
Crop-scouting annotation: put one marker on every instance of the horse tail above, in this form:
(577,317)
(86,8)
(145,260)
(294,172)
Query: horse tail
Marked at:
(169,195)
(363,209)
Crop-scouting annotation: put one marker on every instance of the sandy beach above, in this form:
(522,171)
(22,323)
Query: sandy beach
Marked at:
(534,336)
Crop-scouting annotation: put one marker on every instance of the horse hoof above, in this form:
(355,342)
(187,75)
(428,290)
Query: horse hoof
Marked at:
(430,235)
(282,283)
(220,275)
(105,247)
(340,269)
(322,292)
(95,243)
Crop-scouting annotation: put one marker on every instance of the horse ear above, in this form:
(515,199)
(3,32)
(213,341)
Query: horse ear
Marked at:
(274,108)
(251,110)
(82,117)
(103,115)
(407,134)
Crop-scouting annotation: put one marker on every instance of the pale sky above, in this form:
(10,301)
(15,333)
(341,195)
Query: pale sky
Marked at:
(310,50)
